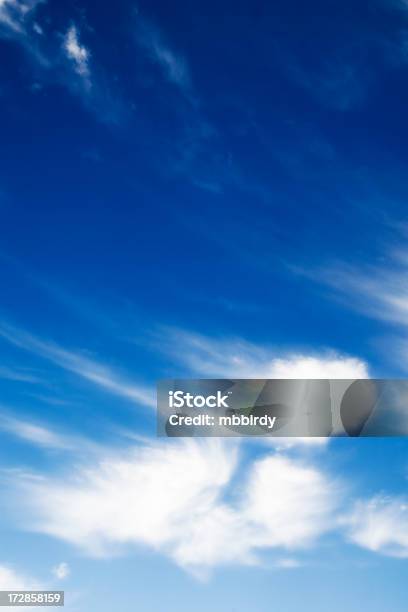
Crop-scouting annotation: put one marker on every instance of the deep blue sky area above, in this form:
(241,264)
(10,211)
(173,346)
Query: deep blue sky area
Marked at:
(276,146)
(204,189)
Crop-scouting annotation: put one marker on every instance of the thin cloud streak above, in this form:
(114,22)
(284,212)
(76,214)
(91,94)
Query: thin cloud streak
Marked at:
(41,436)
(18,375)
(99,374)
(172,64)
(379,291)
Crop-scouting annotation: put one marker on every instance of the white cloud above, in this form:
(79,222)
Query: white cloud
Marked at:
(141,497)
(38,29)
(240,359)
(291,501)
(172,496)
(285,444)
(61,571)
(13,13)
(173,65)
(380,525)
(377,290)
(78,54)
(288,563)
(38,435)
(6,17)
(285,504)
(19,22)
(86,368)
(331,365)
(236,358)
(11,580)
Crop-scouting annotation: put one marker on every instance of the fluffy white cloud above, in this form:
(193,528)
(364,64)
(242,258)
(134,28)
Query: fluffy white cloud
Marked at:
(285,504)
(172,497)
(240,359)
(380,525)
(291,501)
(143,498)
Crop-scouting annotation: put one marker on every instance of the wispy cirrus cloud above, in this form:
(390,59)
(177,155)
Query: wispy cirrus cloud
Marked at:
(173,65)
(15,14)
(61,57)
(380,525)
(237,358)
(84,367)
(39,435)
(340,83)
(378,289)
(18,24)
(352,56)
(77,53)
(19,375)
(88,79)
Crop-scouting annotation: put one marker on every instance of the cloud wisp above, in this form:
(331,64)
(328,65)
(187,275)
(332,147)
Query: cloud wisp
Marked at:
(78,54)
(237,358)
(84,367)
(174,67)
(43,437)
(15,14)
(340,84)
(378,290)
(60,57)
(61,571)
(380,525)
(19,375)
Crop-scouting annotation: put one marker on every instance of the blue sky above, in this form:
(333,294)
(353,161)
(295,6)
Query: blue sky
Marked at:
(199,189)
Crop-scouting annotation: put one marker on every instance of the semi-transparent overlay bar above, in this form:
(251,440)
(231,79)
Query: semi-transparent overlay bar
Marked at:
(282,408)
(31,598)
